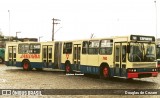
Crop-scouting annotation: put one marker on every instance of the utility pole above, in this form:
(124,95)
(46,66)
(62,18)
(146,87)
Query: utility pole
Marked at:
(9,24)
(156,19)
(53,27)
(17,36)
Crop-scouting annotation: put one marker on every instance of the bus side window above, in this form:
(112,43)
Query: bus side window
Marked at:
(93,47)
(34,48)
(67,48)
(23,48)
(85,47)
(117,53)
(106,47)
(64,48)
(124,53)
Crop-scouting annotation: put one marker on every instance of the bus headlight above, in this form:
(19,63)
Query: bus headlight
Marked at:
(132,70)
(154,69)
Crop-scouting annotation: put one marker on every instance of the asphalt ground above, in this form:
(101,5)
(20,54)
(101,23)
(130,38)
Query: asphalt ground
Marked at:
(49,83)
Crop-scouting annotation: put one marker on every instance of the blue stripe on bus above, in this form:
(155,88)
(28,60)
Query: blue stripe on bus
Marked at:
(42,65)
(85,68)
(120,72)
(33,64)
(89,69)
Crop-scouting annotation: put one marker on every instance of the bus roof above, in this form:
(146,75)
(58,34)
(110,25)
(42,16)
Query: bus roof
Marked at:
(129,38)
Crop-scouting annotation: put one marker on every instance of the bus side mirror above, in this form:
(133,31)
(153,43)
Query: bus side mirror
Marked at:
(128,48)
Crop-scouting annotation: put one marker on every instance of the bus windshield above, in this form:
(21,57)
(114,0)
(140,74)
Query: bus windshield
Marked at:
(142,52)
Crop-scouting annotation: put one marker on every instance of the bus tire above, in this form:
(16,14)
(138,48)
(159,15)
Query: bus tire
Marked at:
(68,67)
(26,65)
(1,60)
(104,73)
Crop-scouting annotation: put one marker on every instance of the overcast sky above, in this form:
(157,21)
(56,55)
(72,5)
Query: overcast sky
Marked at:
(79,18)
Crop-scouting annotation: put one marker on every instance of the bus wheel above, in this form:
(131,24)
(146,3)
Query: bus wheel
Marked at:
(68,68)
(104,72)
(1,60)
(26,65)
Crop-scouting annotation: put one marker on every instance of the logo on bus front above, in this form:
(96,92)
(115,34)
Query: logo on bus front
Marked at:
(104,58)
(67,56)
(32,56)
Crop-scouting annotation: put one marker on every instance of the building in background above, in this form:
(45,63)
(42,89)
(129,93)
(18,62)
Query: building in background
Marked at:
(4,39)
(28,39)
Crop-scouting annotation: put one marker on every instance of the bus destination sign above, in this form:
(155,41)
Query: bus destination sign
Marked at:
(142,38)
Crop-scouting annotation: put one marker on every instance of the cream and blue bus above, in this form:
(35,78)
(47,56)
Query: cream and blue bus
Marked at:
(131,56)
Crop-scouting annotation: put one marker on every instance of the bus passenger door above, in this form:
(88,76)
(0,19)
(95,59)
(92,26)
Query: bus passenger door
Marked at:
(11,56)
(120,59)
(76,57)
(47,56)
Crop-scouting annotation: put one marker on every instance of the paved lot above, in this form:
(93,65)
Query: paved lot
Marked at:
(16,78)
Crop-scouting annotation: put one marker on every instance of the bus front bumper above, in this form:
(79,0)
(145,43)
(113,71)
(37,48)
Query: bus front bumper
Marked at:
(142,74)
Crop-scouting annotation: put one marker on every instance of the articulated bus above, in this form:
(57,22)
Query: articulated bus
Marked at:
(31,55)
(131,56)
